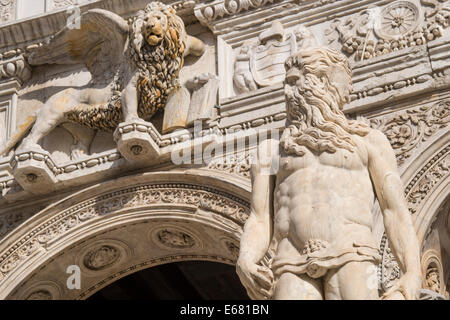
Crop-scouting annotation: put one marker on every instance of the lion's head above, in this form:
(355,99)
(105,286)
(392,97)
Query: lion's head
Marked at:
(158,25)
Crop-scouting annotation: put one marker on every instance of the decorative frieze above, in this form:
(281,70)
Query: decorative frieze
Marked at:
(223,8)
(396,26)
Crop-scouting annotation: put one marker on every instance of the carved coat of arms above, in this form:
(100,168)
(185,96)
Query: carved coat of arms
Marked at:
(261,63)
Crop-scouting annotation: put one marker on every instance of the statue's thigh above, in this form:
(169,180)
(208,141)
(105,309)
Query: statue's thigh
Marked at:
(352,281)
(297,287)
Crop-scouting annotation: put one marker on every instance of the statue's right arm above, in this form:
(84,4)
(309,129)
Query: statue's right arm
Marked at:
(257,234)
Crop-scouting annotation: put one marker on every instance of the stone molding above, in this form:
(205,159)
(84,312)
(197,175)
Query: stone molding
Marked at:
(148,264)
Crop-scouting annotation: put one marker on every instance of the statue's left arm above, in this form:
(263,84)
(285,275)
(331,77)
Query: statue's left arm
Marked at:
(397,219)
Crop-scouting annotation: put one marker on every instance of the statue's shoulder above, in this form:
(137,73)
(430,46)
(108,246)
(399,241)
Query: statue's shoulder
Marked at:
(376,138)
(378,145)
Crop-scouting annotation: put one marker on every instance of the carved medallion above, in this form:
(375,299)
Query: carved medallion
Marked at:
(433,273)
(175,239)
(232,247)
(101,258)
(40,295)
(398,19)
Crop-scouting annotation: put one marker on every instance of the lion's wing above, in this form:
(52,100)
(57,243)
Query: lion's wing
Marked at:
(98,43)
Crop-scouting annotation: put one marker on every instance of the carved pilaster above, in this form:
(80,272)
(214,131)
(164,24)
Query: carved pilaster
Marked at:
(7,10)
(14,71)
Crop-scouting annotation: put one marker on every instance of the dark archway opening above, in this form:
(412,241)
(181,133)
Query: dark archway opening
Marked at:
(177,281)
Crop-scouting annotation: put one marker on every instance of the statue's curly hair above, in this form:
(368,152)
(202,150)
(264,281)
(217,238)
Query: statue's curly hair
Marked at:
(315,119)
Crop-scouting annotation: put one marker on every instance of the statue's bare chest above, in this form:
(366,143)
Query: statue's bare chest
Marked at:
(341,160)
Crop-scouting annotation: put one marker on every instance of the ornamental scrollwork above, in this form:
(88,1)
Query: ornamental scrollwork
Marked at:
(408,129)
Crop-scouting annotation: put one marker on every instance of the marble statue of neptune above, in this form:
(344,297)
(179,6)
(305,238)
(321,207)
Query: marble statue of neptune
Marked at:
(317,206)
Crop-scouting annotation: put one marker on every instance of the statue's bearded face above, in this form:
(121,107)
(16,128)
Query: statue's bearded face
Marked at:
(318,85)
(154,28)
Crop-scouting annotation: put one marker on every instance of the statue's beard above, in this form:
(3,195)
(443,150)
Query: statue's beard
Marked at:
(316,122)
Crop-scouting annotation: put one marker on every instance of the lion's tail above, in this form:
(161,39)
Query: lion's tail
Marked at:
(21,131)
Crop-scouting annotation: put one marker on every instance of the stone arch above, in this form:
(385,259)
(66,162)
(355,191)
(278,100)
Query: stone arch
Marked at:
(426,189)
(121,226)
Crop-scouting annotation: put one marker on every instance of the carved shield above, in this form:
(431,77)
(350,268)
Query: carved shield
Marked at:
(267,61)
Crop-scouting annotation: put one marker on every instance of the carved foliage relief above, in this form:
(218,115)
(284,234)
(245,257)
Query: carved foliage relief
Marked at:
(408,129)
(398,25)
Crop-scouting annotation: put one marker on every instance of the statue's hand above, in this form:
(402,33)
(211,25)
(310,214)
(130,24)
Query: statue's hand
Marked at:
(258,280)
(406,288)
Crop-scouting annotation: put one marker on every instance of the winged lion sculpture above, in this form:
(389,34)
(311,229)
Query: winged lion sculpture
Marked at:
(134,69)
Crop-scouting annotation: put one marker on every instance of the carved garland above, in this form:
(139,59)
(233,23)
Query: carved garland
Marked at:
(41,237)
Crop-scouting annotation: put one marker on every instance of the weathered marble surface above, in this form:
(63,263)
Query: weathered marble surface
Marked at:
(401,87)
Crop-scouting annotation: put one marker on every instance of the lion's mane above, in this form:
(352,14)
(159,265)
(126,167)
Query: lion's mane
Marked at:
(158,67)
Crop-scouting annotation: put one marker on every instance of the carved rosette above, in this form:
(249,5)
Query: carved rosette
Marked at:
(231,246)
(409,129)
(397,20)
(42,290)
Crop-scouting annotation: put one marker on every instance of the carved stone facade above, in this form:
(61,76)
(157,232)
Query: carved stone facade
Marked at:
(178,181)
